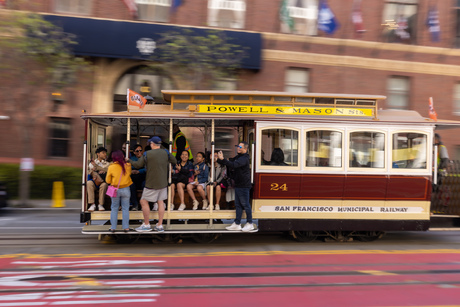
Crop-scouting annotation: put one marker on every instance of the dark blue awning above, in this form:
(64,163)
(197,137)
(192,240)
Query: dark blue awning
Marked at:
(136,40)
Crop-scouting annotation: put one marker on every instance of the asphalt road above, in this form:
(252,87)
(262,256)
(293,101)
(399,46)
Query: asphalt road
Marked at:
(46,261)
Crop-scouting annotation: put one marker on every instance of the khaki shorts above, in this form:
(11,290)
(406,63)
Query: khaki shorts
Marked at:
(153,195)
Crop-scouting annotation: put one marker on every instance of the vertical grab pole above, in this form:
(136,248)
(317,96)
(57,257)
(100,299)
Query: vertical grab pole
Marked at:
(435,165)
(128,137)
(252,165)
(170,201)
(85,169)
(211,190)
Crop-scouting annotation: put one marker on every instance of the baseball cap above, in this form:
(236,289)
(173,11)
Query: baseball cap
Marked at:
(155,139)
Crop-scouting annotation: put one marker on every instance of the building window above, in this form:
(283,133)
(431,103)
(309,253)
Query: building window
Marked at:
(400,21)
(59,137)
(324,148)
(409,150)
(80,7)
(456,107)
(302,16)
(225,84)
(280,147)
(398,93)
(296,80)
(154,10)
(367,149)
(226,13)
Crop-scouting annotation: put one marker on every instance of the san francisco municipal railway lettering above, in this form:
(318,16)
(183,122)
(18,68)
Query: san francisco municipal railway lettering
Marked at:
(334,209)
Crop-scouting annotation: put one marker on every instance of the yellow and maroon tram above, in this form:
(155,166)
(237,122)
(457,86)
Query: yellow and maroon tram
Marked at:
(322,164)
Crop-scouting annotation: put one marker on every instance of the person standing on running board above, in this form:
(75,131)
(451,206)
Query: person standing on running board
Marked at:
(156,162)
(242,177)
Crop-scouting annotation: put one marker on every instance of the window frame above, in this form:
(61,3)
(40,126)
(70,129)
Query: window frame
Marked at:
(429,152)
(278,168)
(351,169)
(213,13)
(321,169)
(52,138)
(70,11)
(407,93)
(288,84)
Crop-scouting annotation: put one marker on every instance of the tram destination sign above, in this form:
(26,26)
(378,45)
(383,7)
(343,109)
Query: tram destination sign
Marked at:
(270,110)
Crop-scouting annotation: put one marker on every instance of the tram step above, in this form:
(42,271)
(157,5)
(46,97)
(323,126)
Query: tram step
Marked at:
(183,228)
(444,221)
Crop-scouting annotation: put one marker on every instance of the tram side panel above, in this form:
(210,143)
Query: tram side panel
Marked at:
(321,202)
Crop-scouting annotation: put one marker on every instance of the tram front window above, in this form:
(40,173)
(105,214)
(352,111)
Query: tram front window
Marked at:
(280,147)
(409,150)
(367,149)
(324,148)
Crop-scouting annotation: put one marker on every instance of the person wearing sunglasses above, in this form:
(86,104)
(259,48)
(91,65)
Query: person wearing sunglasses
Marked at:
(242,178)
(137,176)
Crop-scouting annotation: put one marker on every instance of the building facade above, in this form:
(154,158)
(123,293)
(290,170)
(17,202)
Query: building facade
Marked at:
(407,50)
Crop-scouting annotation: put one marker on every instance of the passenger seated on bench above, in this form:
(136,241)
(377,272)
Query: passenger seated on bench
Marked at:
(181,172)
(220,171)
(201,174)
(277,157)
(97,170)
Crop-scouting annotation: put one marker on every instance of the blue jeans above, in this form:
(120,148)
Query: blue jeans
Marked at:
(242,203)
(122,198)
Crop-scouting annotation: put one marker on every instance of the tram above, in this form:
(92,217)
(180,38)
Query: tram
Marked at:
(347,168)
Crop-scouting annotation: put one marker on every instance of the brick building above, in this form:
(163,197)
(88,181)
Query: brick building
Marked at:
(392,53)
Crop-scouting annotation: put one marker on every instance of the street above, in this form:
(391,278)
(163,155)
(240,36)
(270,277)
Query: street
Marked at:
(46,261)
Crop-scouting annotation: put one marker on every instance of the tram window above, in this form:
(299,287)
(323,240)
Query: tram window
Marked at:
(280,147)
(324,148)
(367,149)
(409,150)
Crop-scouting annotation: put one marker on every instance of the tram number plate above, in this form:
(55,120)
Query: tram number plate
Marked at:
(278,187)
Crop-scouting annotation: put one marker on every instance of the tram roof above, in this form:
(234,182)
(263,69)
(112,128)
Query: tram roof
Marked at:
(189,105)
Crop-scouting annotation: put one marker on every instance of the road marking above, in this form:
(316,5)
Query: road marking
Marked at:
(259,253)
(377,273)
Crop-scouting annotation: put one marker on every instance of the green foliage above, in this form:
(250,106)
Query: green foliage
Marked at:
(41,180)
(197,62)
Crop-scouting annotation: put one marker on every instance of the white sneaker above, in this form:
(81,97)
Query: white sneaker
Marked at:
(181,207)
(155,207)
(172,207)
(92,208)
(233,227)
(205,204)
(195,204)
(101,208)
(248,227)
(217,208)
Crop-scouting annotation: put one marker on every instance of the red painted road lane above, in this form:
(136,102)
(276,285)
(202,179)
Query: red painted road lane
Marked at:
(341,278)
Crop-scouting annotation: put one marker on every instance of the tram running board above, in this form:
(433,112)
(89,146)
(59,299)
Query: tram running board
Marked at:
(172,229)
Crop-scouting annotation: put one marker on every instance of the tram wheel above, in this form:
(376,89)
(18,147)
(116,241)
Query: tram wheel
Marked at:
(126,239)
(303,236)
(205,237)
(369,236)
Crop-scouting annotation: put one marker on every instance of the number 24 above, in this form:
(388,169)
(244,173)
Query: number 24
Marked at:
(277,187)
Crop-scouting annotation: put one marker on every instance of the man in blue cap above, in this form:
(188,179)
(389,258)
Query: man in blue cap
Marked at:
(156,162)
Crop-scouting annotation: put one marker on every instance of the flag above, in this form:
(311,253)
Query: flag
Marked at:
(135,99)
(285,17)
(431,110)
(175,4)
(326,19)
(132,7)
(432,23)
(357,17)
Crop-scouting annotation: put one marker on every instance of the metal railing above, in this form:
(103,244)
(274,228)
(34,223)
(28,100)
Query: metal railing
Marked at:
(445,197)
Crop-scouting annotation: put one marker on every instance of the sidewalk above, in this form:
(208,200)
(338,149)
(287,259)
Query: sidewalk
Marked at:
(43,204)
